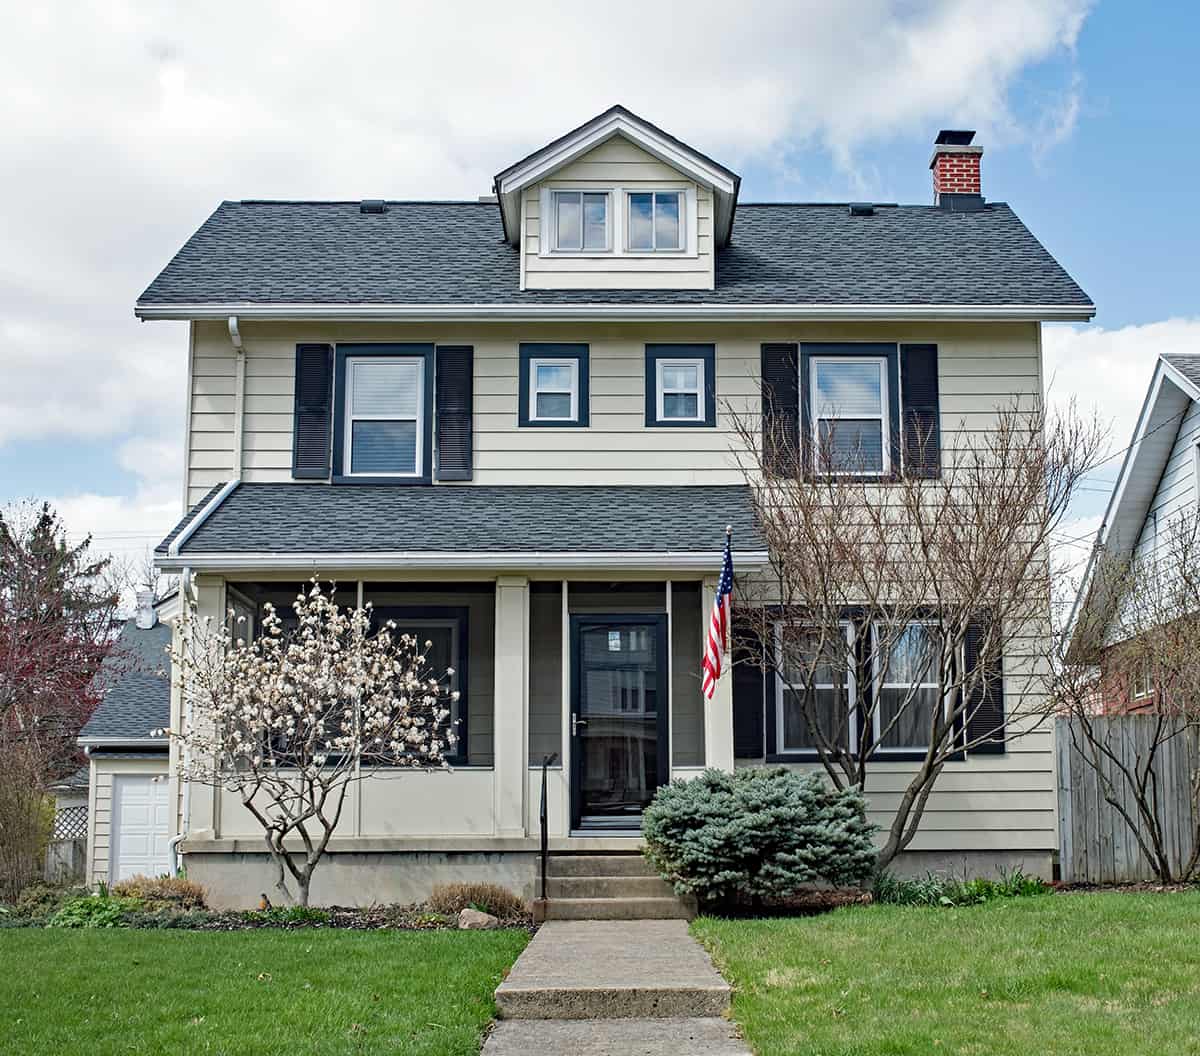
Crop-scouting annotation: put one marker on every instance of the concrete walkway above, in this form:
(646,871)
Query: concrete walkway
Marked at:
(593,987)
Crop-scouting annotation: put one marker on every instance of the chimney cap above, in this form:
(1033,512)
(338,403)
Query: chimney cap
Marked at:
(145,617)
(955,137)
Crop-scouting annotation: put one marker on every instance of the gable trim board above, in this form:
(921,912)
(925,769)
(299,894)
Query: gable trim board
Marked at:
(1170,394)
(616,121)
(415,313)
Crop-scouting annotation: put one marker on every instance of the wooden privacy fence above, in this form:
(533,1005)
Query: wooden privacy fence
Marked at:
(1096,845)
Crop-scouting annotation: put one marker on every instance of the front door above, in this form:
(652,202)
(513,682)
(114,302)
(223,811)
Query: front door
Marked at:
(618,718)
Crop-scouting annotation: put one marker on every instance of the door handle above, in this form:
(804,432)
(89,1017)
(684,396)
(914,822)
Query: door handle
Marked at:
(576,722)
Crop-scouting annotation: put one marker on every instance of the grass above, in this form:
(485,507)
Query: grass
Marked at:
(1057,975)
(233,993)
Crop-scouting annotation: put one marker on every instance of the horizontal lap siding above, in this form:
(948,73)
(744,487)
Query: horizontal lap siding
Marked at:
(1176,491)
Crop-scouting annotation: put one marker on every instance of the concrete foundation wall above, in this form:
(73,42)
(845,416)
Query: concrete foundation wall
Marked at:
(971,864)
(238,880)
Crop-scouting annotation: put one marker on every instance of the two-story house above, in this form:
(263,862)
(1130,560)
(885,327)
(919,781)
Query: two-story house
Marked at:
(507,423)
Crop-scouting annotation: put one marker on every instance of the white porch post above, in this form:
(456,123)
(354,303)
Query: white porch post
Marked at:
(510,726)
(718,712)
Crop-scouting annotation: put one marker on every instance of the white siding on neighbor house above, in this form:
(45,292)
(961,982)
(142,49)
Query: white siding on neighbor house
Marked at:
(618,164)
(102,772)
(1176,492)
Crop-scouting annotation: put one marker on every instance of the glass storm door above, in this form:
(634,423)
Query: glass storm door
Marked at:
(618,718)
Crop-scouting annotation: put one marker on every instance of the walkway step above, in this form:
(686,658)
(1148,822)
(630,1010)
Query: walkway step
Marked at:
(615,1037)
(593,969)
(598,865)
(667,908)
(608,887)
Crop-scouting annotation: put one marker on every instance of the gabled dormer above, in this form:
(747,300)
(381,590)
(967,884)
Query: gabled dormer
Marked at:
(617,204)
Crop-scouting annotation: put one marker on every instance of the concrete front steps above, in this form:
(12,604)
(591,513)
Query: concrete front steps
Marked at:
(608,887)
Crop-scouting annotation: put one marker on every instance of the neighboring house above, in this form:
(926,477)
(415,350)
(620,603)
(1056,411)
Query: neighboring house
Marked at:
(130,823)
(507,423)
(1155,497)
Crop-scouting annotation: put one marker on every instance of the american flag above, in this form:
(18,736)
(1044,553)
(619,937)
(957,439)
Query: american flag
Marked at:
(718,629)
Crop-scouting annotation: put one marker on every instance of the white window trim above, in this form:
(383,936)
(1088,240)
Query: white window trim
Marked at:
(880,685)
(781,684)
(550,228)
(684,221)
(618,219)
(883,416)
(553,361)
(1141,685)
(351,418)
(660,389)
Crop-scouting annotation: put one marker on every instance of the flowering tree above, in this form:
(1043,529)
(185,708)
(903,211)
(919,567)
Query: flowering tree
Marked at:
(290,719)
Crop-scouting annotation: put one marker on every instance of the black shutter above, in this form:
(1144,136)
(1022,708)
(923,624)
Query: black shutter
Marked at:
(313,412)
(781,409)
(921,427)
(985,707)
(453,400)
(748,695)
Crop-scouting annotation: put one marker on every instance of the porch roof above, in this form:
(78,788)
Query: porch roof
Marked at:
(326,526)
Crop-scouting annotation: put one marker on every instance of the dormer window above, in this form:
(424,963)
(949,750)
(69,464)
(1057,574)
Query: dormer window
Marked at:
(581,221)
(656,222)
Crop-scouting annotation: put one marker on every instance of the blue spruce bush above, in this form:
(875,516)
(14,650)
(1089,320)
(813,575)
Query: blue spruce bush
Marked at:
(758,833)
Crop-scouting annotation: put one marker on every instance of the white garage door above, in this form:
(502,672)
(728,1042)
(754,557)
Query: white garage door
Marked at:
(140,832)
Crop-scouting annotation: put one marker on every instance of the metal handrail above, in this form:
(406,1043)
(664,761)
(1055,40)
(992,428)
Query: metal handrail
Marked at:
(543,819)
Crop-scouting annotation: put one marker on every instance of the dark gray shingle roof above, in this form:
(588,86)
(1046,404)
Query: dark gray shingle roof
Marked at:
(1188,366)
(137,686)
(327,519)
(447,253)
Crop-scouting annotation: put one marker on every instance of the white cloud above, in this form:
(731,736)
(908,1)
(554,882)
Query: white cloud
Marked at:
(1109,371)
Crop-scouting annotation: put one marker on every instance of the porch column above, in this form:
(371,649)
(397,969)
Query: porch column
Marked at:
(204,802)
(510,725)
(718,712)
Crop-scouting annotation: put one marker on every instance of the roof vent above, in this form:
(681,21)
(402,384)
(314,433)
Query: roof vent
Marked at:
(862,209)
(372,205)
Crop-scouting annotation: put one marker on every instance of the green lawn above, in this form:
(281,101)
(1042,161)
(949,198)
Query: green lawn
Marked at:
(222,994)
(1051,975)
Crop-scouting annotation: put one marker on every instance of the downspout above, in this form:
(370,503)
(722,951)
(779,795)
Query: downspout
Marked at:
(239,395)
(173,848)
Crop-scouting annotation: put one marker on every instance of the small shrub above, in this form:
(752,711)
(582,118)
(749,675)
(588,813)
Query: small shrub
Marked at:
(449,899)
(163,892)
(94,911)
(756,833)
(290,915)
(41,901)
(934,890)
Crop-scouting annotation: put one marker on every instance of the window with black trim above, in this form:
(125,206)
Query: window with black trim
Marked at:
(814,686)
(681,385)
(907,684)
(850,410)
(383,419)
(553,385)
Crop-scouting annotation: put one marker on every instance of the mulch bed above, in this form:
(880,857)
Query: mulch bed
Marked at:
(803,904)
(351,918)
(1139,888)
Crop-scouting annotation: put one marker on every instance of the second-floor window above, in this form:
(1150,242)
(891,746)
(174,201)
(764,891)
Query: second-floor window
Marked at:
(681,386)
(850,415)
(581,221)
(384,419)
(553,385)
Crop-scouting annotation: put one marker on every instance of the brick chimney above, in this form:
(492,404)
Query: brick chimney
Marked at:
(955,165)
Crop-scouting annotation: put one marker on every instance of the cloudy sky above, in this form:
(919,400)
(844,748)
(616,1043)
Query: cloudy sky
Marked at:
(124,124)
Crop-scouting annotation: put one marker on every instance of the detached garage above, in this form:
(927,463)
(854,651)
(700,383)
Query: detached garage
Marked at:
(130,821)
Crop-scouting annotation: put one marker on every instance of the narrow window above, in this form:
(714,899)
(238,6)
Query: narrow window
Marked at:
(581,221)
(814,687)
(680,390)
(850,415)
(554,385)
(385,416)
(655,221)
(908,684)
(1142,683)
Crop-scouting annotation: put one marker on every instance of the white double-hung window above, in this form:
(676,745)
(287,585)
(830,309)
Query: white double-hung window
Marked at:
(581,221)
(385,410)
(850,415)
(908,684)
(680,390)
(554,390)
(656,221)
